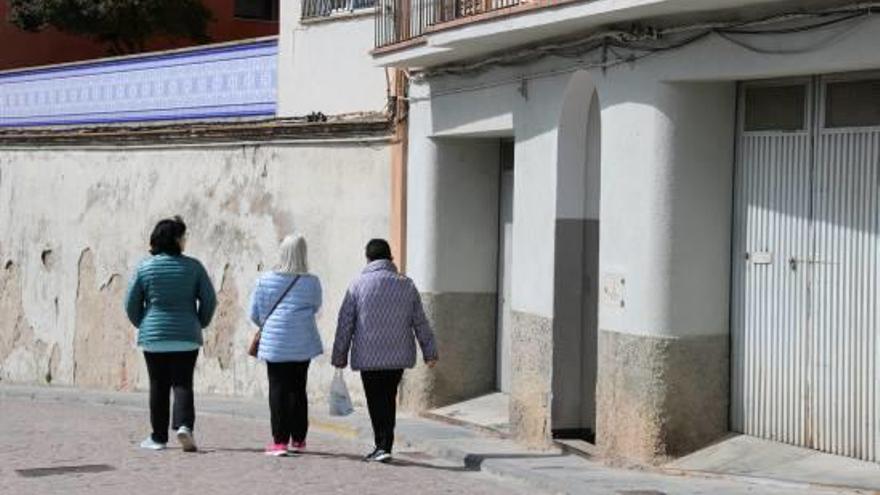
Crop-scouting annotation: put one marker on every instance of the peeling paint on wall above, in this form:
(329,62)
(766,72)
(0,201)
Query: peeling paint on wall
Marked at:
(21,354)
(104,353)
(10,307)
(77,222)
(220,338)
(54,361)
(47,257)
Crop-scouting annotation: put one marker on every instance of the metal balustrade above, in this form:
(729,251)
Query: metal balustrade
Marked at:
(398,21)
(314,9)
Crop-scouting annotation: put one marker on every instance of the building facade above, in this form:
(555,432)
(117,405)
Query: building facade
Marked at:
(654,221)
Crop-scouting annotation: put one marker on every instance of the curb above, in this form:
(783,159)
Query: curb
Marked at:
(484,430)
(345,431)
(488,465)
(495,467)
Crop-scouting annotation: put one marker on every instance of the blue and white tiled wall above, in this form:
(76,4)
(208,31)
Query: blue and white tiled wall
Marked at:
(212,82)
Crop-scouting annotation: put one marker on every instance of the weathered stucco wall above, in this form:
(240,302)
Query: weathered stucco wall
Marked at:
(75,221)
(661,397)
(324,64)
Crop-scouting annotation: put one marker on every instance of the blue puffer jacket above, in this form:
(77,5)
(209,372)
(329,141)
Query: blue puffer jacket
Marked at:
(290,333)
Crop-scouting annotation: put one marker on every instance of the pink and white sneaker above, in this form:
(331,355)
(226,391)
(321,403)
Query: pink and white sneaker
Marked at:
(276,449)
(297,447)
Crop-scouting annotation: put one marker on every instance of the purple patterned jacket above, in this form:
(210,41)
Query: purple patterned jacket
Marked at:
(380,319)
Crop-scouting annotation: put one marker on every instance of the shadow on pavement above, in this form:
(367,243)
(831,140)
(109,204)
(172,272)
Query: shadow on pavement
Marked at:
(400,460)
(474,462)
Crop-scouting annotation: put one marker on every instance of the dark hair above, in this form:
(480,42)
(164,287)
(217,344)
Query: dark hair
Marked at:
(378,249)
(166,236)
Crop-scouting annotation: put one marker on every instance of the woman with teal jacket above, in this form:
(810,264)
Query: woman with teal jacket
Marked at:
(170,300)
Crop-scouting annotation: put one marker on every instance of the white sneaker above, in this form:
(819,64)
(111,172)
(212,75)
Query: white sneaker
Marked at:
(382,456)
(186,439)
(150,444)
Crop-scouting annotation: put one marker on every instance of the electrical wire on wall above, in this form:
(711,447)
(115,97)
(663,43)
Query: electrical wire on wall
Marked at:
(614,47)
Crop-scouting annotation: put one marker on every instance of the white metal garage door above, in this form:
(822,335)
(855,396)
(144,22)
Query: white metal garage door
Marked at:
(807,238)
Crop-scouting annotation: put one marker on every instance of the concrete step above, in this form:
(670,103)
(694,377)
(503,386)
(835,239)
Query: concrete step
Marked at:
(580,448)
(488,414)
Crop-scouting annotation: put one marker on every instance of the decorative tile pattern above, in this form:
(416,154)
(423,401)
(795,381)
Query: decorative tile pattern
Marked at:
(220,81)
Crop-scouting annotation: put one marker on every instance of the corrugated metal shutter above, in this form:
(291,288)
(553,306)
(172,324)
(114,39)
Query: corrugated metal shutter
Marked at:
(844,323)
(804,306)
(769,299)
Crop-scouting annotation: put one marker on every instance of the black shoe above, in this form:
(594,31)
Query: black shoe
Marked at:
(370,457)
(378,455)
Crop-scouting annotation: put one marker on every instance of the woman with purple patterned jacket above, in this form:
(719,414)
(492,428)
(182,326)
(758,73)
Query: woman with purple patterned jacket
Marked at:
(380,320)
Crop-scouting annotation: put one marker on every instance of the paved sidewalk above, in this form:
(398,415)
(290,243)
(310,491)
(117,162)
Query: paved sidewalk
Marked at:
(81,447)
(742,455)
(438,458)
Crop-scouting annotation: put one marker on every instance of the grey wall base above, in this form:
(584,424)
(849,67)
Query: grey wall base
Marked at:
(660,398)
(531,378)
(464,326)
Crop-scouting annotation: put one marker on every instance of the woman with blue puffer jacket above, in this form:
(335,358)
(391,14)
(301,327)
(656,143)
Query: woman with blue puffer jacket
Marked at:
(285,302)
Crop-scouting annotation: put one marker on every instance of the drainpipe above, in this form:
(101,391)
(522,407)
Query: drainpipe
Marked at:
(398,106)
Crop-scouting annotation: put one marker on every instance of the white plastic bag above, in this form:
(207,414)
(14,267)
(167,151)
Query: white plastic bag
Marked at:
(340,401)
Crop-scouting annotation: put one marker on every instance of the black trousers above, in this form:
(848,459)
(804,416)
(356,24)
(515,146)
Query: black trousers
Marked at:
(171,371)
(288,403)
(380,387)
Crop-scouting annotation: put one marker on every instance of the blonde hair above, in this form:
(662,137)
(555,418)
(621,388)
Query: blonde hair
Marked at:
(293,256)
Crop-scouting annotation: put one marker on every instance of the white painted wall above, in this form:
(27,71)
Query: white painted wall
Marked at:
(238,202)
(658,144)
(468,117)
(326,66)
(421,202)
(579,168)
(644,149)
(531,116)
(666,203)
(667,155)
(452,211)
(534,197)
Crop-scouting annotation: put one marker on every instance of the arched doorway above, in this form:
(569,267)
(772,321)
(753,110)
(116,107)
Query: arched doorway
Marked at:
(575,320)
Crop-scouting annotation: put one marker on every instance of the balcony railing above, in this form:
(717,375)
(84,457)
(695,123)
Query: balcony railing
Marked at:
(402,20)
(313,9)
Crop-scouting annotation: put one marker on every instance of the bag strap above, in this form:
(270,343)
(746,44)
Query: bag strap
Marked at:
(278,300)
